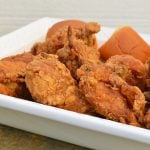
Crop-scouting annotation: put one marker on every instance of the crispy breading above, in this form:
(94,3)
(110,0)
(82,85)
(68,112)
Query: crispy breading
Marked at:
(77,54)
(12,74)
(51,83)
(111,96)
(132,70)
(74,46)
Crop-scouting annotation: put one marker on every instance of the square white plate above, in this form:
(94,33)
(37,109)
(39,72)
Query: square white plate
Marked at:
(80,129)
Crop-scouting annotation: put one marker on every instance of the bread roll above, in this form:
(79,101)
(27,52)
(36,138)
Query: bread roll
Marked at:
(125,41)
(73,23)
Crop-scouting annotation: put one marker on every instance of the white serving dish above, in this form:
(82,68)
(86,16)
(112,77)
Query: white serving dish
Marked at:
(80,129)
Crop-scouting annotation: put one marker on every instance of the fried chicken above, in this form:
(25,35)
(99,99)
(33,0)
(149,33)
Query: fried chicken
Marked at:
(51,83)
(74,46)
(60,38)
(12,74)
(76,54)
(110,95)
(65,71)
(130,69)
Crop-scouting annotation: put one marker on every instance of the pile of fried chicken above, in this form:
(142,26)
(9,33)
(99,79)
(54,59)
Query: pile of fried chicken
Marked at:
(66,71)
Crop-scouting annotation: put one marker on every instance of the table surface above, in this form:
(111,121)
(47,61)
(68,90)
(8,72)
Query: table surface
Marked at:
(17,13)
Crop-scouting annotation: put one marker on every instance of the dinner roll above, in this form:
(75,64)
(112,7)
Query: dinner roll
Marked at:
(73,23)
(125,41)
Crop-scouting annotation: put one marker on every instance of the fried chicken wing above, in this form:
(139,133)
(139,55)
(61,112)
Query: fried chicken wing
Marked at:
(111,96)
(51,83)
(132,70)
(12,74)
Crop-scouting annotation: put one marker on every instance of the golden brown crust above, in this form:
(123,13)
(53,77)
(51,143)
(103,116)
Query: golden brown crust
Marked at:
(50,82)
(110,95)
(130,69)
(12,74)
(13,68)
(74,46)
(76,54)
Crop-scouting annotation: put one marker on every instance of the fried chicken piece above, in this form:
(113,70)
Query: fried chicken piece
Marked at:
(74,46)
(13,68)
(76,53)
(12,74)
(111,96)
(12,71)
(60,38)
(132,70)
(51,83)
